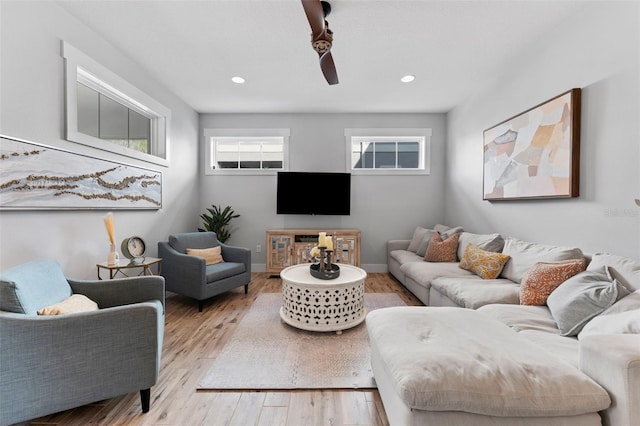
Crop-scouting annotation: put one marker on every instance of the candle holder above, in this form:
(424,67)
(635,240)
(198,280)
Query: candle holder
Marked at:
(325,270)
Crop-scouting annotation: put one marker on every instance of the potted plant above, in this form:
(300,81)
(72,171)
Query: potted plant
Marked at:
(217,221)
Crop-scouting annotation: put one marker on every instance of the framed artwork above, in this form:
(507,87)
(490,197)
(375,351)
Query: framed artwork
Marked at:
(535,154)
(40,177)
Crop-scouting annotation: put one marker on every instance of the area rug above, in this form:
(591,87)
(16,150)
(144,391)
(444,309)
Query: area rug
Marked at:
(265,353)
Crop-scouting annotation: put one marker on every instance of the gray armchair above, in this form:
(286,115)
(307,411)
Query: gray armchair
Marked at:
(190,276)
(53,363)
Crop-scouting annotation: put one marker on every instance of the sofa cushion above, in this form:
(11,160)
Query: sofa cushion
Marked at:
(523,317)
(193,240)
(404,256)
(31,286)
(463,360)
(485,264)
(423,272)
(473,292)
(579,299)
(544,277)
(223,270)
(626,270)
(524,255)
(619,323)
(440,250)
(488,242)
(538,326)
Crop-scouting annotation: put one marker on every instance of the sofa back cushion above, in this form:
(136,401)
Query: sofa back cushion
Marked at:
(28,287)
(193,240)
(525,255)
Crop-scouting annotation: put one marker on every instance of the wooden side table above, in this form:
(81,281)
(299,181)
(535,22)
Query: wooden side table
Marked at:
(125,264)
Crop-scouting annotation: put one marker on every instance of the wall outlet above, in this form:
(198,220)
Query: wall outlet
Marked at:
(258,248)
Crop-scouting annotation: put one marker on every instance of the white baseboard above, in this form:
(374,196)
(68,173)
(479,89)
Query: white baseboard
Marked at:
(258,267)
(375,267)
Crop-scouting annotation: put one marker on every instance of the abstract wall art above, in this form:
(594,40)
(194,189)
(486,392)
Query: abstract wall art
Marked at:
(39,177)
(535,154)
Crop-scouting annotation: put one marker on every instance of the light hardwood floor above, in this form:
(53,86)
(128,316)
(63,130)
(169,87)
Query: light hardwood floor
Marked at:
(191,342)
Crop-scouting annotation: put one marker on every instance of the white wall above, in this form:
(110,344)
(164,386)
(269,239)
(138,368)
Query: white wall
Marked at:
(598,51)
(382,207)
(32,108)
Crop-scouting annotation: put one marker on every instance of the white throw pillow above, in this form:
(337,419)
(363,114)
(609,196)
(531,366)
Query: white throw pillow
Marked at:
(581,298)
(418,236)
(71,305)
(626,270)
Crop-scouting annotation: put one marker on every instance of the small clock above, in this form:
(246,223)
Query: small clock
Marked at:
(133,247)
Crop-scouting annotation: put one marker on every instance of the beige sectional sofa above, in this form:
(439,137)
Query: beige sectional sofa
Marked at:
(502,363)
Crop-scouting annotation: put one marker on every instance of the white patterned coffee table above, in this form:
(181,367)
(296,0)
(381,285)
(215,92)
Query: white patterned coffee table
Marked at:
(313,304)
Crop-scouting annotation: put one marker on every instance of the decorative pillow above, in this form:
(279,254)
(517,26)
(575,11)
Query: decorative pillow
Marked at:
(483,263)
(620,323)
(28,287)
(488,242)
(545,277)
(71,305)
(422,249)
(582,297)
(442,251)
(440,227)
(449,232)
(524,255)
(418,236)
(211,255)
(626,270)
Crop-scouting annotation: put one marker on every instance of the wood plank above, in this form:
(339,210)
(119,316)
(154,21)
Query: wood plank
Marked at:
(192,340)
(248,409)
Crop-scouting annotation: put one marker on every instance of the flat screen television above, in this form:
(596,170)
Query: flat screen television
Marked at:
(314,193)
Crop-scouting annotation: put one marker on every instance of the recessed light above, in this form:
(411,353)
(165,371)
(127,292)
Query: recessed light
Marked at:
(408,78)
(238,79)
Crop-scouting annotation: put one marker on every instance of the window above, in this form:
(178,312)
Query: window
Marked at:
(106,112)
(390,151)
(246,151)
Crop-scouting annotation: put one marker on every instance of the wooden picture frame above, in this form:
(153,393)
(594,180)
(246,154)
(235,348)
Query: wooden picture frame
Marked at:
(41,177)
(535,154)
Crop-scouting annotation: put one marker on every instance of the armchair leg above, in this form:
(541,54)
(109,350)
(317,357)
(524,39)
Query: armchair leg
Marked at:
(200,305)
(145,399)
(246,289)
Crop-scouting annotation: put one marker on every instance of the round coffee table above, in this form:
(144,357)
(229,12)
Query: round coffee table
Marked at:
(313,304)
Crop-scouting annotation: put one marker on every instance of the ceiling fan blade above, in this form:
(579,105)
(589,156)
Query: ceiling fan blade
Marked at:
(315,16)
(328,68)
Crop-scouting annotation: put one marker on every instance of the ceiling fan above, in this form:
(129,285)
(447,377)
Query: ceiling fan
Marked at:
(321,36)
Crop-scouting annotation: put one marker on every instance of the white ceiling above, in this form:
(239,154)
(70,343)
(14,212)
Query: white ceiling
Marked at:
(452,47)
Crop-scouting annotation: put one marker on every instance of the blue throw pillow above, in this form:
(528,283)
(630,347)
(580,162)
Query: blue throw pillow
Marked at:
(31,286)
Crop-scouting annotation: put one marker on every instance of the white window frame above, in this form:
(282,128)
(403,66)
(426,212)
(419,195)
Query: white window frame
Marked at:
(213,135)
(422,135)
(81,68)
